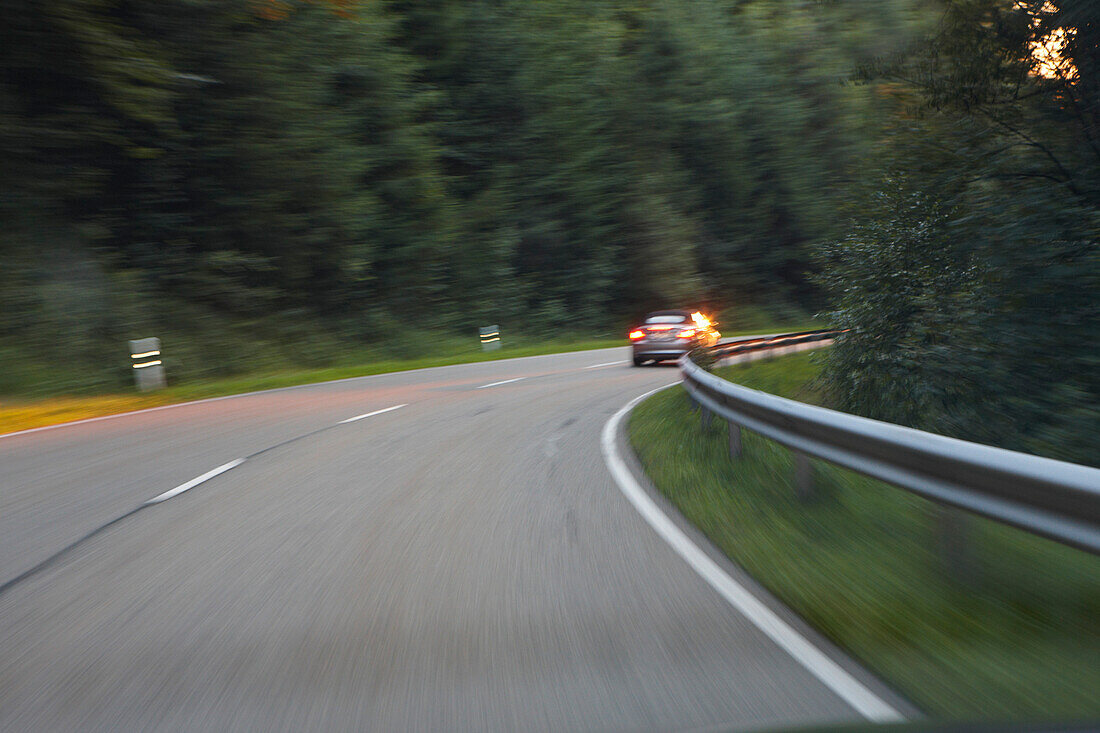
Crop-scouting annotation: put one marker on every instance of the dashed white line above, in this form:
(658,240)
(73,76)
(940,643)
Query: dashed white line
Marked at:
(233,464)
(606,363)
(372,414)
(276,389)
(504,381)
(195,482)
(832,675)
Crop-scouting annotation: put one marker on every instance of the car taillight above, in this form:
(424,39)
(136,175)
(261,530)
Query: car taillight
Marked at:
(635,335)
(687,333)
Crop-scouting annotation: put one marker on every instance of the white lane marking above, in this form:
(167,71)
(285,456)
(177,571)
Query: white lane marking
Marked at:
(847,687)
(288,388)
(372,414)
(505,381)
(195,482)
(233,464)
(302,386)
(606,363)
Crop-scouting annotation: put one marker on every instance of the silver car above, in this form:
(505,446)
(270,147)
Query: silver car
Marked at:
(671,334)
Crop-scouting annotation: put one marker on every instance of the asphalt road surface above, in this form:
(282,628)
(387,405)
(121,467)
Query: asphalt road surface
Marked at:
(463,562)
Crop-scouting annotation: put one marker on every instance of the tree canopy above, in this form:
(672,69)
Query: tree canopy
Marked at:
(971,280)
(199,167)
(253,176)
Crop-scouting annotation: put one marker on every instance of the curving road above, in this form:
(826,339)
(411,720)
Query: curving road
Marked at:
(463,562)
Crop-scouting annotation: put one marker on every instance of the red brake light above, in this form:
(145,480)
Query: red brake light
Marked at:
(635,335)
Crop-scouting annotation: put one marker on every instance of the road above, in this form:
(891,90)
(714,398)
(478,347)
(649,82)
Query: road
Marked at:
(463,562)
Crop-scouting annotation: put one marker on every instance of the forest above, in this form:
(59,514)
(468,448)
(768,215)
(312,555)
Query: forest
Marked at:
(276,179)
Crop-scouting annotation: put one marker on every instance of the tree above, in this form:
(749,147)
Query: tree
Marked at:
(1002,149)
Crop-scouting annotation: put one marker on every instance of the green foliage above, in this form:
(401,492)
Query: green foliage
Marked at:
(215,170)
(969,276)
(774,317)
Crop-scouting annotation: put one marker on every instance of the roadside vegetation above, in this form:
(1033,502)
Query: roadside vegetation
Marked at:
(1014,639)
(235,362)
(240,362)
(969,272)
(774,318)
(263,184)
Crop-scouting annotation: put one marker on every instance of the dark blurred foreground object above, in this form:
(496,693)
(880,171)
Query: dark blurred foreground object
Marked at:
(671,334)
(932,726)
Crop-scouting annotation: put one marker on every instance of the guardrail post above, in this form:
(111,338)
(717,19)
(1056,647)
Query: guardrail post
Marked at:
(803,476)
(704,418)
(735,439)
(952,530)
(1053,499)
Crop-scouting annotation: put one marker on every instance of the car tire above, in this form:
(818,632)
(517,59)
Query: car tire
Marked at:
(638,362)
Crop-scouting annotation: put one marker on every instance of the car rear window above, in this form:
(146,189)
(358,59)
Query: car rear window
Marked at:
(666,319)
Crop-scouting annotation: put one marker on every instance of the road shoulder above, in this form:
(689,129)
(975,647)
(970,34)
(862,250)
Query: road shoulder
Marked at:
(880,702)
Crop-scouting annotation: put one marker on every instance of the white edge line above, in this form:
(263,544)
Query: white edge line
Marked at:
(606,363)
(497,384)
(847,687)
(195,481)
(372,414)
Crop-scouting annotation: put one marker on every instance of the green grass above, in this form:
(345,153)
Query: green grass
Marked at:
(1020,639)
(752,319)
(21,414)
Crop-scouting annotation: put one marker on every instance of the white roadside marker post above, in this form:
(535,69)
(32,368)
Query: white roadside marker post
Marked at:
(146,362)
(490,337)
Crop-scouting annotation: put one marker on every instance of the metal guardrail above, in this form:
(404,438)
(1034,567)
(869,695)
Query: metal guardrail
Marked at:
(1051,498)
(763,343)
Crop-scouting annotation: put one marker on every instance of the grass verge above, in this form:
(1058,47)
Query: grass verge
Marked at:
(758,319)
(1020,639)
(16,414)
